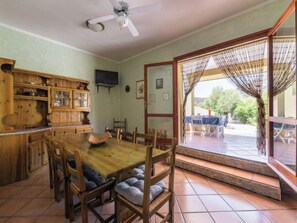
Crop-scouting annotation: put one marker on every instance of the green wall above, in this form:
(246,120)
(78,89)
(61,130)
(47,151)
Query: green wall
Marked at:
(33,53)
(132,70)
(37,54)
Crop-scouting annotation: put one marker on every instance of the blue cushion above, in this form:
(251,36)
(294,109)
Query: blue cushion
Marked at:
(132,189)
(90,185)
(91,175)
(91,178)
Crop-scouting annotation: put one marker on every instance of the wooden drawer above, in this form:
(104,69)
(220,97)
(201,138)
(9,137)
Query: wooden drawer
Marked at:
(38,136)
(64,131)
(84,129)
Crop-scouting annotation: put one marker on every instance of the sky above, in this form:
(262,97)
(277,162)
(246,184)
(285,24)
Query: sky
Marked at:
(203,89)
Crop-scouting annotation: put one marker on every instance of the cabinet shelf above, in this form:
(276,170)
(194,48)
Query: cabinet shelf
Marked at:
(36,86)
(34,98)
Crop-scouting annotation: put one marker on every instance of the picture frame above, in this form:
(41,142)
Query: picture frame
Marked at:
(152,97)
(165,96)
(159,83)
(140,89)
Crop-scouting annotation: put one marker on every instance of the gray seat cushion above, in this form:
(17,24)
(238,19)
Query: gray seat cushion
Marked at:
(91,178)
(132,189)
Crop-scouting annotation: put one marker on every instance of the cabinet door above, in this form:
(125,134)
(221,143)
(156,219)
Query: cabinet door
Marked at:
(35,156)
(81,100)
(61,99)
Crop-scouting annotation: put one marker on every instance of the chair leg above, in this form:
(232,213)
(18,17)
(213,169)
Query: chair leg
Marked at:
(118,210)
(66,196)
(146,219)
(171,208)
(57,188)
(84,209)
(50,168)
(70,207)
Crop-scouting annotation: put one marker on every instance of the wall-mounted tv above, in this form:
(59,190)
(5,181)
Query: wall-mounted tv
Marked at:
(108,78)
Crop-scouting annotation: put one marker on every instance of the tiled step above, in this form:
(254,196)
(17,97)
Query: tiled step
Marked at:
(258,183)
(240,163)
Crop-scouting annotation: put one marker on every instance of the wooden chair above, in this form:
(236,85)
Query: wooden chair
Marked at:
(59,173)
(128,136)
(115,133)
(50,162)
(87,197)
(146,139)
(146,208)
(120,125)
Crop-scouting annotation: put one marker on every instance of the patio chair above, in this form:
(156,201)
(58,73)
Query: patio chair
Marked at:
(220,127)
(197,125)
(144,195)
(278,132)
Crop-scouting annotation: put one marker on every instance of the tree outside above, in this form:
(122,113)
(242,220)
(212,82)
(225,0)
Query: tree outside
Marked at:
(230,101)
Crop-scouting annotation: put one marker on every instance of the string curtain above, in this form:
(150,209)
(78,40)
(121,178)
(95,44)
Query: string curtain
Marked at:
(284,63)
(244,66)
(191,74)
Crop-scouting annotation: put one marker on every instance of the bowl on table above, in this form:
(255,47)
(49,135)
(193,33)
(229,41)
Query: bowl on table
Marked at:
(99,139)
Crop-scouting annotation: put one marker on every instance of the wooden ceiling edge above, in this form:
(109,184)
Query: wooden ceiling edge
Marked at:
(283,18)
(220,46)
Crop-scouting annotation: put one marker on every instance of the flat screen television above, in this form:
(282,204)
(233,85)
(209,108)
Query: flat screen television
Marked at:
(108,78)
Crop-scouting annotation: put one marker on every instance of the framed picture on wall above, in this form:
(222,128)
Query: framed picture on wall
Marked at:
(165,96)
(152,97)
(140,89)
(159,83)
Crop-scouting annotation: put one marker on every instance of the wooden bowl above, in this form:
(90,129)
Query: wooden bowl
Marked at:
(98,139)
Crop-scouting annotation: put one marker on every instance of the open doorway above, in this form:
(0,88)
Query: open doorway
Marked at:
(221,118)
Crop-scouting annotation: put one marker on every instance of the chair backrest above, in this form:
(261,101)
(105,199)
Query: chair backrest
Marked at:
(57,151)
(150,180)
(76,172)
(146,139)
(115,133)
(128,136)
(120,125)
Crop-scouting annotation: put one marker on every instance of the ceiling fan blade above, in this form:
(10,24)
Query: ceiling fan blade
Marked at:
(115,4)
(146,8)
(132,28)
(101,19)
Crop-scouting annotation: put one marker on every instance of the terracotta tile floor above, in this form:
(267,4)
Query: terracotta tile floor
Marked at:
(198,199)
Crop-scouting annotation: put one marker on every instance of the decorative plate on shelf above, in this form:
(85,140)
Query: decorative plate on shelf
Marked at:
(99,139)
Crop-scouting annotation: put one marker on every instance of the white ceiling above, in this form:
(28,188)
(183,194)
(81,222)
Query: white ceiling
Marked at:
(64,21)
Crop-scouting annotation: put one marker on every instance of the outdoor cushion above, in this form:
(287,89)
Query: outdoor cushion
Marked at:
(132,189)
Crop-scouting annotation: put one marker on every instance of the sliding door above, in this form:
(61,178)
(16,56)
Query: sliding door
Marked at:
(282,97)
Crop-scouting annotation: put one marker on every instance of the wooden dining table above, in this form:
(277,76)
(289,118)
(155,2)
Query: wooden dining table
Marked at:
(111,158)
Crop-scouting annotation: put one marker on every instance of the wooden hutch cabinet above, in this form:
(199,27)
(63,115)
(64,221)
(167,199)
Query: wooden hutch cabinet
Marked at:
(34,105)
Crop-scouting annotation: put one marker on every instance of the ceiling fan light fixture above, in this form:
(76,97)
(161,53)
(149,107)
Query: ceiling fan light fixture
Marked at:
(122,21)
(97,27)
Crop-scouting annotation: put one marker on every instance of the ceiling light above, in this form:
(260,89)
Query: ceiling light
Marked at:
(122,21)
(97,27)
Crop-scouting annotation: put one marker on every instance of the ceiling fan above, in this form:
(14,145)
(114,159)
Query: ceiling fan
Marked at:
(122,13)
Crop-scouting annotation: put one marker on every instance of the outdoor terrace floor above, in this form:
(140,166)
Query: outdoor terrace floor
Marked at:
(239,141)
